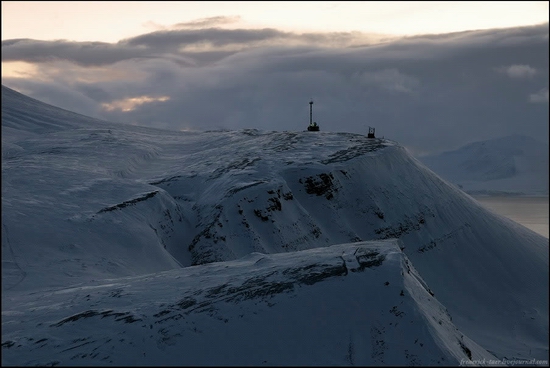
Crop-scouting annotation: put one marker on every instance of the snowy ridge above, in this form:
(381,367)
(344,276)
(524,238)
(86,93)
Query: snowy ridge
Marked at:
(509,165)
(312,307)
(90,201)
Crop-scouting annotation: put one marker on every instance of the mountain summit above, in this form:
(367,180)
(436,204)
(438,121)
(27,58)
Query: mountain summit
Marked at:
(128,245)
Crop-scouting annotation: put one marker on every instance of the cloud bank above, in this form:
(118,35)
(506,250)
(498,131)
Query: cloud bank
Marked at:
(430,93)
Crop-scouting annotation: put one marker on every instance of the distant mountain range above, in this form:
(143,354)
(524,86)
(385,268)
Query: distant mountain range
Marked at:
(515,165)
(124,245)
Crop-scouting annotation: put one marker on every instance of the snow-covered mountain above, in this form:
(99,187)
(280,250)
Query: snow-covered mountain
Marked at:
(513,164)
(126,245)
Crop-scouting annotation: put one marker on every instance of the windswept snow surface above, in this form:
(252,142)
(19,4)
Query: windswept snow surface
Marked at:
(351,304)
(513,165)
(127,245)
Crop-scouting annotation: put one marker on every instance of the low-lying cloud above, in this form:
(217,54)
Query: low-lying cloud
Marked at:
(519,71)
(430,93)
(539,97)
(390,80)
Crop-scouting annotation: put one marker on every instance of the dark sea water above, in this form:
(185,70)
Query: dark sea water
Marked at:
(531,212)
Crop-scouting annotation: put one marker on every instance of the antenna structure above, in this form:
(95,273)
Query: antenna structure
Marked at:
(310,112)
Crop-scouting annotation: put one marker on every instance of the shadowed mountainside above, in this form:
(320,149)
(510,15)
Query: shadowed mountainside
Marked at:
(85,201)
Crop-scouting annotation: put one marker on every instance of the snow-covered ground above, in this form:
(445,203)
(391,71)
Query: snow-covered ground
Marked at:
(511,165)
(124,245)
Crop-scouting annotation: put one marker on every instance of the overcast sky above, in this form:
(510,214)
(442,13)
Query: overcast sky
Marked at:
(430,75)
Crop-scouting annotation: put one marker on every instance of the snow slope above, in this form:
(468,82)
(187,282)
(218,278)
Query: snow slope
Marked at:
(352,304)
(513,164)
(104,223)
